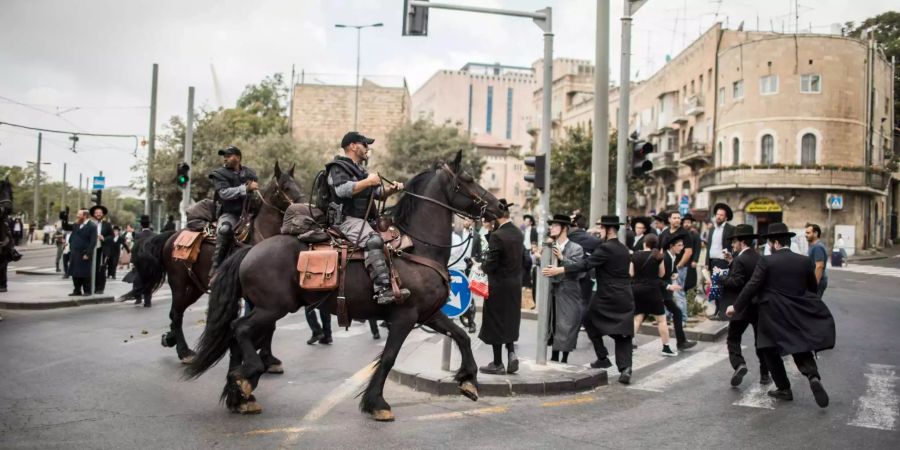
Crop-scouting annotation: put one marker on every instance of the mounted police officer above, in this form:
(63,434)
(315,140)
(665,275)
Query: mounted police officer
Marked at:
(231,183)
(351,187)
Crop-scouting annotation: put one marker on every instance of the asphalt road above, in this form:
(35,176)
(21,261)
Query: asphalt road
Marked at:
(88,377)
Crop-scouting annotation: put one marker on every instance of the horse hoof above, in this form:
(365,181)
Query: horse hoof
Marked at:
(383,415)
(187,359)
(245,386)
(468,389)
(276,369)
(251,407)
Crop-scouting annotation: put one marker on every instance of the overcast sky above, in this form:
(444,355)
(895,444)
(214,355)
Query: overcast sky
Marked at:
(96,55)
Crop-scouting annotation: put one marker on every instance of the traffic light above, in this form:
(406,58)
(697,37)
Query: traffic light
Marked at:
(97,196)
(183,174)
(640,165)
(539,164)
(415,20)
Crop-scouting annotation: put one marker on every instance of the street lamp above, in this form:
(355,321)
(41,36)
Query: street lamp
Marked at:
(356,99)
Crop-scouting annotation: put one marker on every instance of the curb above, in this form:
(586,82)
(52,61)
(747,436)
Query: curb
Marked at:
(53,304)
(503,386)
(49,271)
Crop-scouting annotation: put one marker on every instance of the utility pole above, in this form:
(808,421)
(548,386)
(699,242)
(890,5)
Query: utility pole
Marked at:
(62,204)
(291,104)
(189,153)
(37,180)
(600,151)
(151,145)
(356,97)
(80,195)
(630,7)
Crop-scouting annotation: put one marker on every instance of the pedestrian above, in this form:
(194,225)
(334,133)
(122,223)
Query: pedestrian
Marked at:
(7,253)
(740,270)
(47,234)
(641,226)
(115,251)
(611,310)
(670,286)
(67,254)
(819,256)
(565,290)
(170,224)
(530,256)
(649,271)
(138,285)
(793,320)
(464,240)
(59,239)
(717,242)
(18,231)
(689,224)
(321,333)
(83,249)
(502,309)
(32,227)
(683,261)
(660,222)
(104,245)
(588,242)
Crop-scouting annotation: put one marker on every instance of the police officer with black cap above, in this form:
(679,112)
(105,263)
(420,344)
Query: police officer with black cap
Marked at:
(232,183)
(351,187)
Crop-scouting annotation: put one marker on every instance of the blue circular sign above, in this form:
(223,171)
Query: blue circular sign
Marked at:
(460,295)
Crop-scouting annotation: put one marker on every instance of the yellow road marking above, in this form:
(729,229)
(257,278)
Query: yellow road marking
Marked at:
(276,430)
(571,401)
(461,414)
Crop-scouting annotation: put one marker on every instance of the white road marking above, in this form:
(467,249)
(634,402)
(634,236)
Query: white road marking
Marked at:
(645,355)
(14,268)
(686,368)
(757,397)
(869,270)
(878,407)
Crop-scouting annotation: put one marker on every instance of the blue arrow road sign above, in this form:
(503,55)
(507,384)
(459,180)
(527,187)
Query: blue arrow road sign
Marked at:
(460,295)
(99,182)
(685,205)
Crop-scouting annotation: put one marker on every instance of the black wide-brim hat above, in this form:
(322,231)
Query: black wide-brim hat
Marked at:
(561,219)
(609,220)
(100,207)
(744,231)
(528,216)
(778,230)
(661,217)
(729,214)
(641,219)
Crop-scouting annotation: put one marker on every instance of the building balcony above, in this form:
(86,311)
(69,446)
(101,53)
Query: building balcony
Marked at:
(679,119)
(795,177)
(693,106)
(664,163)
(695,153)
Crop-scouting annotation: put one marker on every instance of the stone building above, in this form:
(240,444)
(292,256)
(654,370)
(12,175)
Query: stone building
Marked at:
(769,123)
(324,112)
(492,103)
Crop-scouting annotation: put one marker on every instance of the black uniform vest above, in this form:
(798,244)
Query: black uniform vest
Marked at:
(234,179)
(355,206)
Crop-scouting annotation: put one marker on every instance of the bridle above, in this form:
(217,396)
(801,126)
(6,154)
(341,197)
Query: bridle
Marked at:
(278,191)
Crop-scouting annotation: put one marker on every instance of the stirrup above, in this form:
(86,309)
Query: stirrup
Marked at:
(386,296)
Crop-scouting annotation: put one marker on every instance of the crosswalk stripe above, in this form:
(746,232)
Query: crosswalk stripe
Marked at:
(682,370)
(869,270)
(877,408)
(757,397)
(645,355)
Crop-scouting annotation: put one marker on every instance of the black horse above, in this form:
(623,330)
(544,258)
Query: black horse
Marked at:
(266,275)
(153,261)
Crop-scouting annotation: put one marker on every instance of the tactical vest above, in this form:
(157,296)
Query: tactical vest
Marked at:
(355,206)
(234,179)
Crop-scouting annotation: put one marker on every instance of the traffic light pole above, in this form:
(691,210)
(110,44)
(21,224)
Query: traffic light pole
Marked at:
(37,182)
(600,150)
(151,144)
(188,155)
(622,147)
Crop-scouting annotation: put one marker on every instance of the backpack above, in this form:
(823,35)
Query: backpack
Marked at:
(321,192)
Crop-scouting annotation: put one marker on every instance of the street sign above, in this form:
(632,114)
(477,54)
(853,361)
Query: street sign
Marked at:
(460,296)
(685,205)
(99,182)
(834,201)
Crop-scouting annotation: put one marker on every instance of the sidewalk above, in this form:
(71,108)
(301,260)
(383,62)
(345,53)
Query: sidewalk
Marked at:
(872,255)
(44,292)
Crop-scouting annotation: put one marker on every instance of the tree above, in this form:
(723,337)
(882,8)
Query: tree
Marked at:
(886,29)
(415,146)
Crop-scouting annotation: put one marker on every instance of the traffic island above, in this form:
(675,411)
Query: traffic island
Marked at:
(46,303)
(44,271)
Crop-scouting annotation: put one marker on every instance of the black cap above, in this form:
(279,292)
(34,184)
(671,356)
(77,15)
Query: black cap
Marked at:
(354,137)
(230,150)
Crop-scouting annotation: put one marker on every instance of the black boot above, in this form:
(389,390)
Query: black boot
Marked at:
(224,242)
(379,272)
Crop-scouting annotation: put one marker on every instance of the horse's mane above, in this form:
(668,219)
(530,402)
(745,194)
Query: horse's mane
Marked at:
(408,204)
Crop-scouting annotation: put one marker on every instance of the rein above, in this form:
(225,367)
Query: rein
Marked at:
(265,202)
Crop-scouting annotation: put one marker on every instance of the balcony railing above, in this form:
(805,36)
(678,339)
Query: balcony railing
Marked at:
(795,176)
(693,106)
(695,153)
(664,162)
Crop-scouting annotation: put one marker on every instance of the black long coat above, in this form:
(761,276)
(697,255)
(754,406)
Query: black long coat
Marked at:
(612,308)
(739,274)
(588,243)
(82,242)
(792,317)
(503,266)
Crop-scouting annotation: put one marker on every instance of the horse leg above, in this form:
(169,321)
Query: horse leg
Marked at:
(181,299)
(247,331)
(372,401)
(273,364)
(468,369)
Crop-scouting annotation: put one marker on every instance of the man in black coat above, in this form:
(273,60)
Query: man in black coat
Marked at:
(503,307)
(641,226)
(105,240)
(145,233)
(82,249)
(115,252)
(717,242)
(588,242)
(740,270)
(690,225)
(793,320)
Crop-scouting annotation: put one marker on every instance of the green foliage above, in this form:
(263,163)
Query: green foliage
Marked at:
(886,28)
(415,146)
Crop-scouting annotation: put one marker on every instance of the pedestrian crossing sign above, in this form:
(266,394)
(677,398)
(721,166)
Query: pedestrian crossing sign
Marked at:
(834,201)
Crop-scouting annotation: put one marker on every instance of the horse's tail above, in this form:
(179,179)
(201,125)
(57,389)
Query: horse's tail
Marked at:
(147,256)
(224,305)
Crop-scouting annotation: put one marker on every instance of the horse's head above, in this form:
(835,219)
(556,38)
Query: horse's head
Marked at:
(6,198)
(465,194)
(282,189)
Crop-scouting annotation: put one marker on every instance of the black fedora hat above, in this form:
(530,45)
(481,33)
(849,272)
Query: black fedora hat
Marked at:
(145,220)
(662,216)
(100,207)
(609,220)
(561,219)
(729,214)
(777,230)
(744,231)
(528,216)
(641,219)
(687,216)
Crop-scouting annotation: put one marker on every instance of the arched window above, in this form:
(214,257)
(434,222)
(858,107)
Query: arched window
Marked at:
(808,149)
(735,151)
(767,149)
(719,155)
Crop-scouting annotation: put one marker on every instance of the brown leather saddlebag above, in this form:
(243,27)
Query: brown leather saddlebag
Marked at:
(318,269)
(187,246)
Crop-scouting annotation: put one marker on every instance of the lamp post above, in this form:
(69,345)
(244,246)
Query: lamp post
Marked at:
(356,97)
